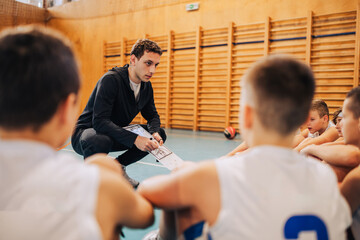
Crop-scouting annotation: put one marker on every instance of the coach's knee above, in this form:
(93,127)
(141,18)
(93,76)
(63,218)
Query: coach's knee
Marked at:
(162,134)
(92,143)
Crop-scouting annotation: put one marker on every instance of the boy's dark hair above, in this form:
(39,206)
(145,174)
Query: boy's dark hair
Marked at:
(354,104)
(283,89)
(321,107)
(37,72)
(336,114)
(142,45)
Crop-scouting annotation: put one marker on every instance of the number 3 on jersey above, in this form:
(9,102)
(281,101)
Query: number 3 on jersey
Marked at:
(297,224)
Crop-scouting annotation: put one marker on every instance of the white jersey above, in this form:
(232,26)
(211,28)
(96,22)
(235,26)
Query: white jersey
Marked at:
(273,193)
(316,134)
(45,194)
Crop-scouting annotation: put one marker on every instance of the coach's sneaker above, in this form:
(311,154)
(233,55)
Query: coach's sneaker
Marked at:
(153,235)
(133,182)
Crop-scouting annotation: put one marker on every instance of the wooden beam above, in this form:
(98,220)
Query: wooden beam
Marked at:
(197,76)
(104,58)
(308,38)
(122,52)
(229,72)
(357,47)
(168,78)
(267,36)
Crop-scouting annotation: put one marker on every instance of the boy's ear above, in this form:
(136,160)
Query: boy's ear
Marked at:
(326,118)
(248,116)
(67,108)
(307,119)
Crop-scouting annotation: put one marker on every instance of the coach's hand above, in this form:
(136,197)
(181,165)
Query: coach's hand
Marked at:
(146,144)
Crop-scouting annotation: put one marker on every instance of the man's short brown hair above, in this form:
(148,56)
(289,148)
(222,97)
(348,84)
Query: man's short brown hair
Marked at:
(143,45)
(321,107)
(354,104)
(282,90)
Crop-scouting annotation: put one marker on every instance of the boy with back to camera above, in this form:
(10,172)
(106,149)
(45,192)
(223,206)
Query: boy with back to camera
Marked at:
(268,192)
(47,194)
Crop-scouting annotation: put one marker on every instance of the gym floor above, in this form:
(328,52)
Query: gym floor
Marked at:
(188,145)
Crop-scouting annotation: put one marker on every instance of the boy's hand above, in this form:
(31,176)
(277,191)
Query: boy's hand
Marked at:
(307,150)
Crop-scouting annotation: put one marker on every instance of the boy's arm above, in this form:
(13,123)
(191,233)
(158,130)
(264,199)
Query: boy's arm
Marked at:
(336,155)
(103,161)
(242,147)
(117,203)
(329,135)
(186,187)
(300,137)
(339,141)
(350,188)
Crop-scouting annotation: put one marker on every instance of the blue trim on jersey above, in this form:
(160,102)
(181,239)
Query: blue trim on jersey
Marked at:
(195,231)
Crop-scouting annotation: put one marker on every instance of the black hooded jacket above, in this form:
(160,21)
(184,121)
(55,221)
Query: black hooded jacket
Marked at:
(112,106)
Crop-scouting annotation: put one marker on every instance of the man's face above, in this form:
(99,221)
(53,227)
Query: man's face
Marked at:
(316,122)
(145,67)
(350,125)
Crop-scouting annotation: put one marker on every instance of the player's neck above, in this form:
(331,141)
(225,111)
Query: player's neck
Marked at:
(44,135)
(271,138)
(25,134)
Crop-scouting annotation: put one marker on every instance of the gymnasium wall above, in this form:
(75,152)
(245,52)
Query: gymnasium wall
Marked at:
(14,13)
(207,51)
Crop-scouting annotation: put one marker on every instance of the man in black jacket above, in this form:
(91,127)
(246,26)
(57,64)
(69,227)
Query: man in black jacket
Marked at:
(117,98)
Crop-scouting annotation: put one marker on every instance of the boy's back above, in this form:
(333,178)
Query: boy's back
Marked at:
(270,192)
(263,199)
(48,195)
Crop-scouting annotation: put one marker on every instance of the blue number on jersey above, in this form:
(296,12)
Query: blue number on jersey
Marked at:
(297,224)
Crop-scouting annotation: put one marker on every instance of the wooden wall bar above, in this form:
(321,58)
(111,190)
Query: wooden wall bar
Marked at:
(183,80)
(197,84)
(333,56)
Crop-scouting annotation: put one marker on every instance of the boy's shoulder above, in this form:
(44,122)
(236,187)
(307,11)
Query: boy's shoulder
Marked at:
(39,165)
(270,158)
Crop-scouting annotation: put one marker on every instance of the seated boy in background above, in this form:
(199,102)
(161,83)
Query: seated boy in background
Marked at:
(342,158)
(337,117)
(319,128)
(350,186)
(47,194)
(269,192)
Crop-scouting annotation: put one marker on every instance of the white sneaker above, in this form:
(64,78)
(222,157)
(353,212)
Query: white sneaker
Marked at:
(153,235)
